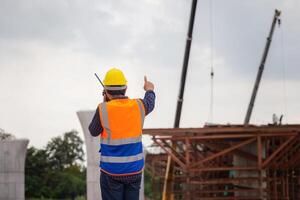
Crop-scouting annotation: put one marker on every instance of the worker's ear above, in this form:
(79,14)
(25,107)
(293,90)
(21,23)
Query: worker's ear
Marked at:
(107,97)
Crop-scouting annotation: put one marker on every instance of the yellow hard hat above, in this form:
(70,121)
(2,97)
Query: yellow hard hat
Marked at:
(114,77)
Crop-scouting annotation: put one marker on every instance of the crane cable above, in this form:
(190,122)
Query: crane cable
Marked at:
(211,62)
(283,71)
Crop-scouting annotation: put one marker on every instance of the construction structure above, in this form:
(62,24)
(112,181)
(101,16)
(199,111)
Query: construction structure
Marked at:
(223,161)
(206,165)
(12,169)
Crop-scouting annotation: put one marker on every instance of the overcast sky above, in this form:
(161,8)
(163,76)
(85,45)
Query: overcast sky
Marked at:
(49,51)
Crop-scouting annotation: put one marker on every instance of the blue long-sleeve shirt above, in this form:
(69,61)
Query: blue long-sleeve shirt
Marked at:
(95,126)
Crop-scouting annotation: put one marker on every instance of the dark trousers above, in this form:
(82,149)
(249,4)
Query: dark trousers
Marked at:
(120,187)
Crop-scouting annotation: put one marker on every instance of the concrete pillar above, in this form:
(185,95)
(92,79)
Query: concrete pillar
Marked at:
(12,169)
(239,161)
(93,157)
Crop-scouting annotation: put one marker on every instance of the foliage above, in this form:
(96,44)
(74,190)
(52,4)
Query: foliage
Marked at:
(148,186)
(70,183)
(153,186)
(57,171)
(65,151)
(36,171)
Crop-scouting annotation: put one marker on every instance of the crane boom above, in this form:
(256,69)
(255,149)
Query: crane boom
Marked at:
(185,63)
(261,67)
(167,190)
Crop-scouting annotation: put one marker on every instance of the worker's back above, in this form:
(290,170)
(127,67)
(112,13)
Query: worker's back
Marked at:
(121,140)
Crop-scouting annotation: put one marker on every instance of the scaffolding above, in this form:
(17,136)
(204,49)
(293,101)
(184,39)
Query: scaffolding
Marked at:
(227,162)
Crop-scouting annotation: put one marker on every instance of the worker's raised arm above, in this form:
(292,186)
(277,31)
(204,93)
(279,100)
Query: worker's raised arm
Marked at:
(149,98)
(148,85)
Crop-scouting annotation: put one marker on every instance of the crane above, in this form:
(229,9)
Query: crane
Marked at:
(262,66)
(167,190)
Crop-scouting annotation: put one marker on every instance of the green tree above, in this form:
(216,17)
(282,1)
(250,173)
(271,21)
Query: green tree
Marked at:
(71,183)
(148,181)
(37,169)
(57,170)
(65,151)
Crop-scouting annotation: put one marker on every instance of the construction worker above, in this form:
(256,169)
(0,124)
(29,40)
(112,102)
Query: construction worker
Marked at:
(119,122)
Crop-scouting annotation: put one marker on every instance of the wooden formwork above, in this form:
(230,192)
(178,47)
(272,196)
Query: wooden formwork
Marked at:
(230,162)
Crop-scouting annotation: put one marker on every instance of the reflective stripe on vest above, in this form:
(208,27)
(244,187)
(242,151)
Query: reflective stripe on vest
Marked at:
(121,141)
(105,120)
(122,159)
(141,111)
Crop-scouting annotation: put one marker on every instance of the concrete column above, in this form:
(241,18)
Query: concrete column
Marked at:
(12,169)
(92,150)
(93,157)
(239,161)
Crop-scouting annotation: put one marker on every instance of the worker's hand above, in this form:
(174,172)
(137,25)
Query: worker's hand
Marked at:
(148,85)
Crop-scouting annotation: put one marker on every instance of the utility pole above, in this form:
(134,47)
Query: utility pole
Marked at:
(261,67)
(168,183)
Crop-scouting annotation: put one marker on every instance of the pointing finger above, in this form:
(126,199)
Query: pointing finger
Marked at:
(145,79)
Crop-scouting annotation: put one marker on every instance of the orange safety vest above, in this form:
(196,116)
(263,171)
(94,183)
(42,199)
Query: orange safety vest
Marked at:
(121,140)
